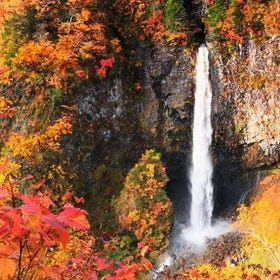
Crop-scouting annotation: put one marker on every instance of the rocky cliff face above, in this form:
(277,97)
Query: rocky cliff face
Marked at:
(168,102)
(246,109)
(160,116)
(167,115)
(246,113)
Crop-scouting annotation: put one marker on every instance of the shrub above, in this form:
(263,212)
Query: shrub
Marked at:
(143,207)
(39,240)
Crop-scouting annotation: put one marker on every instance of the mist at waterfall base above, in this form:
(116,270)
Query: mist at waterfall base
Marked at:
(200,226)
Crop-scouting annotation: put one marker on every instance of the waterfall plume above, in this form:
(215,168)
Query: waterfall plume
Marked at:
(201,169)
(200,225)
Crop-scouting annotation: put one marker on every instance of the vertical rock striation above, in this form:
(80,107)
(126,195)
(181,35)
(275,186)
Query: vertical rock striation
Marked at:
(247,104)
(246,118)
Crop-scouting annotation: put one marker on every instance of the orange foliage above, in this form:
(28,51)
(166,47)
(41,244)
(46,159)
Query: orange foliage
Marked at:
(237,272)
(250,19)
(9,7)
(80,45)
(272,18)
(6,108)
(228,26)
(254,12)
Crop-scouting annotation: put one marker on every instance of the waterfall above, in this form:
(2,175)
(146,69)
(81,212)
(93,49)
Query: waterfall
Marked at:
(201,169)
(201,226)
(192,238)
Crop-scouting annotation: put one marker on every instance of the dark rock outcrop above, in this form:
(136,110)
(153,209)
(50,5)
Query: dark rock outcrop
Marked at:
(127,122)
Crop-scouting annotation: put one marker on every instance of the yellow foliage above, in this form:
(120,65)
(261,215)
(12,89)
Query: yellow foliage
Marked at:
(79,243)
(7,168)
(236,272)
(28,146)
(6,108)
(260,224)
(272,18)
(134,216)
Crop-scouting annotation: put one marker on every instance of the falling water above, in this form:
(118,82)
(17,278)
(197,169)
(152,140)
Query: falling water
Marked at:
(201,170)
(200,227)
(192,238)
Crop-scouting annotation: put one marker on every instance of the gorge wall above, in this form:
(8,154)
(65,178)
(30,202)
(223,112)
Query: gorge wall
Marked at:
(246,104)
(159,117)
(245,115)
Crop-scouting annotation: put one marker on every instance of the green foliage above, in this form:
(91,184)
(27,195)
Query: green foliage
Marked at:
(216,13)
(238,129)
(16,31)
(55,93)
(274,170)
(12,37)
(122,246)
(29,26)
(106,183)
(233,22)
(174,15)
(237,17)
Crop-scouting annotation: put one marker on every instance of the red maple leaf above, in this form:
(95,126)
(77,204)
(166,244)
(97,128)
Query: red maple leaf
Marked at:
(73,217)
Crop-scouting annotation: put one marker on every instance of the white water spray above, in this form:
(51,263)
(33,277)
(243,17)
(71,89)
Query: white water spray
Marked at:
(201,170)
